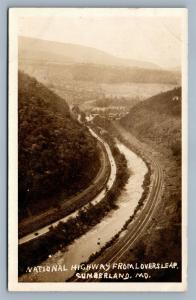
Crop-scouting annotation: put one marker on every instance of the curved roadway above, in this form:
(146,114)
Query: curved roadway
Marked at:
(144,218)
(101,193)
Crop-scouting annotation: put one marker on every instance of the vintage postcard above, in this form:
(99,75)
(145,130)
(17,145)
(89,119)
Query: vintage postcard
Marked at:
(97,149)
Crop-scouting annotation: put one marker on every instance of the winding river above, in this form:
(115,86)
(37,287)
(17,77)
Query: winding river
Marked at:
(96,200)
(81,249)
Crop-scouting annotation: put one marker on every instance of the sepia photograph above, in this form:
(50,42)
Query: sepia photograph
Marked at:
(97,149)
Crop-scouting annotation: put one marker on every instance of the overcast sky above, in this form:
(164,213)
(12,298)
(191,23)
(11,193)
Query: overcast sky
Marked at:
(153,39)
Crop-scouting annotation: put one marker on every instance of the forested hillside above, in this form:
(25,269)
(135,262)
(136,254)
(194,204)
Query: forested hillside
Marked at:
(158,119)
(56,152)
(157,122)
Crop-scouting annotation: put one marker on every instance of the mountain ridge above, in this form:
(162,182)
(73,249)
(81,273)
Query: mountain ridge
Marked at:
(29,48)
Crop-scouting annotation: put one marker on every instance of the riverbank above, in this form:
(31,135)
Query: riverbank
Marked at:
(165,230)
(82,248)
(36,251)
(70,204)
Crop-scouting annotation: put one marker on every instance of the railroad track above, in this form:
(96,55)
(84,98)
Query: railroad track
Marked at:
(138,226)
(105,162)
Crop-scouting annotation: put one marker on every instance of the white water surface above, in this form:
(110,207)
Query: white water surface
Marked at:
(81,249)
(39,232)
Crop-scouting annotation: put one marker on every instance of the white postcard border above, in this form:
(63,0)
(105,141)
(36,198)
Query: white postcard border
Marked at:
(13,284)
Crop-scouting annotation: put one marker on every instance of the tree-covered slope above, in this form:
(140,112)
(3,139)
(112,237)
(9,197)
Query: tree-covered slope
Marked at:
(158,119)
(157,122)
(56,152)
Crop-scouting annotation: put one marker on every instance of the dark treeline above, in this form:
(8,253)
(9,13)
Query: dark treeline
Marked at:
(34,252)
(56,152)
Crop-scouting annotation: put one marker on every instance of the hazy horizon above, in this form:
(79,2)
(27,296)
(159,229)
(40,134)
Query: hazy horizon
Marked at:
(153,39)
